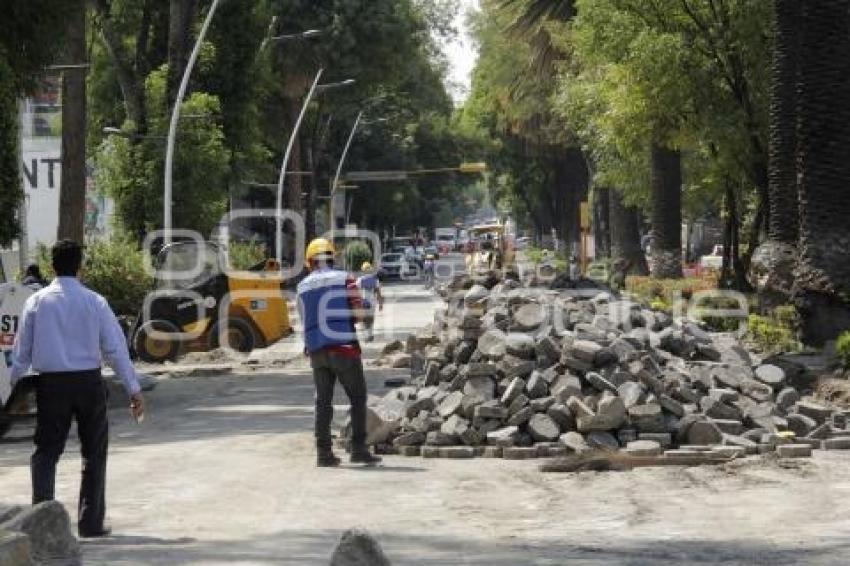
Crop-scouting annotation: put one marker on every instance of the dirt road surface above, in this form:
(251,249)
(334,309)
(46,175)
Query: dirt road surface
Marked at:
(222,472)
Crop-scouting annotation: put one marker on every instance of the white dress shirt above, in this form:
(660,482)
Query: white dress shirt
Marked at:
(67,327)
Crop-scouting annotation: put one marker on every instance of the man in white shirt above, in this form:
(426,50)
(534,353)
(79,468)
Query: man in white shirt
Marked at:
(65,331)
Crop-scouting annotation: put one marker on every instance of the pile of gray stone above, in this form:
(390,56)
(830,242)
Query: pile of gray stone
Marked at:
(518,372)
(40,534)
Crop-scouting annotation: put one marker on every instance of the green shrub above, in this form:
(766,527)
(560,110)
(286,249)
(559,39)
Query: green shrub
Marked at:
(842,348)
(771,335)
(245,255)
(355,253)
(115,269)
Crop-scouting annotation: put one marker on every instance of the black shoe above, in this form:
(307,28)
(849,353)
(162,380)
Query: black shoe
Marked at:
(96,533)
(327,460)
(364,457)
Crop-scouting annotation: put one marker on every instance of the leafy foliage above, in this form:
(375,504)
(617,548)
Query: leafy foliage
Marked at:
(115,269)
(842,348)
(245,255)
(355,253)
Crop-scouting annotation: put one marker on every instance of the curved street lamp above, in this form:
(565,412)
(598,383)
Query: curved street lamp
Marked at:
(172,127)
(314,89)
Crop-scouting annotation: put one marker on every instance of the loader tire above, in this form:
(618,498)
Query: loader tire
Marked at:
(153,348)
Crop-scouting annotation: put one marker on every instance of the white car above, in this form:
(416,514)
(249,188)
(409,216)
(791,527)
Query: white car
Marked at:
(714,260)
(394,265)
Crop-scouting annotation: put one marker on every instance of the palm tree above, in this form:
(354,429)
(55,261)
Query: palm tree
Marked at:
(529,24)
(773,263)
(625,235)
(822,283)
(666,181)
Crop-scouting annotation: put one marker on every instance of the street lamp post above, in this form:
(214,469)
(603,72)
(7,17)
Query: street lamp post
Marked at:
(314,89)
(342,158)
(175,117)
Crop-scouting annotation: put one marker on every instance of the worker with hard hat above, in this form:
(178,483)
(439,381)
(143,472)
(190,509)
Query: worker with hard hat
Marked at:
(330,305)
(370,294)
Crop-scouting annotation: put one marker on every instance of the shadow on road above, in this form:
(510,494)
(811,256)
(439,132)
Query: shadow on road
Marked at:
(297,547)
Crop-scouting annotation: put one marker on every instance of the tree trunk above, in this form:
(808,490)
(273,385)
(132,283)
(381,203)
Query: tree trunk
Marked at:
(181,15)
(625,235)
(822,285)
(72,193)
(310,209)
(11,189)
(782,169)
(666,179)
(572,180)
(602,222)
(774,261)
(294,184)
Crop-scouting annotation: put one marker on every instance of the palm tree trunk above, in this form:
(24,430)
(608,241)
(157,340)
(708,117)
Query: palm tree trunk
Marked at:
(625,235)
(822,285)
(666,180)
(602,222)
(773,263)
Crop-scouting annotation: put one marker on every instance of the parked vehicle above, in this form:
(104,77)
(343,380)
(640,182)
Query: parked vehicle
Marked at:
(393,266)
(446,239)
(714,260)
(489,248)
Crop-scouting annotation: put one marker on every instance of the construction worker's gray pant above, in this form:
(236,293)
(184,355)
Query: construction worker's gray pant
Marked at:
(328,367)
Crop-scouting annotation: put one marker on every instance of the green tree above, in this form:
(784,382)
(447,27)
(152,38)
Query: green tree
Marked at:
(24,53)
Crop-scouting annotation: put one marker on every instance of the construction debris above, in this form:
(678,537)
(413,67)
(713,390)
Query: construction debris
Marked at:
(358,548)
(47,528)
(566,370)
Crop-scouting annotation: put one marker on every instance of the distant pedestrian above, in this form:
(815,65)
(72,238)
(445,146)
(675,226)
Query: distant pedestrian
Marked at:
(33,279)
(370,295)
(65,331)
(330,305)
(428,270)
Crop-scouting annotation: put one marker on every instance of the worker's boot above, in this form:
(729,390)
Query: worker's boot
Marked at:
(326,459)
(363,456)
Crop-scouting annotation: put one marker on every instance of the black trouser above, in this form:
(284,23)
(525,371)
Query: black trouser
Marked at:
(327,368)
(60,397)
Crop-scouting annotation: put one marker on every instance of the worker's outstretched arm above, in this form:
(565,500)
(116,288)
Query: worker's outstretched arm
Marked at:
(354,300)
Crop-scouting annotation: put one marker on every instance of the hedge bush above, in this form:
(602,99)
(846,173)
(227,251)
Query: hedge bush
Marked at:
(113,268)
(355,253)
(842,348)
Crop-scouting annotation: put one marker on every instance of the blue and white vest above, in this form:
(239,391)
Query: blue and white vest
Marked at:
(325,311)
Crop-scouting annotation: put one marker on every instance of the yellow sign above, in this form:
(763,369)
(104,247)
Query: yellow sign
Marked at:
(585,216)
(474,167)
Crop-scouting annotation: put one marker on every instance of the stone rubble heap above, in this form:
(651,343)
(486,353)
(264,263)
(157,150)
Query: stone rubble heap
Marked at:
(40,534)
(516,372)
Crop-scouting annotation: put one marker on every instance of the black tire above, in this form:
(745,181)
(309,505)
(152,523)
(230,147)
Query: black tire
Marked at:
(240,335)
(156,350)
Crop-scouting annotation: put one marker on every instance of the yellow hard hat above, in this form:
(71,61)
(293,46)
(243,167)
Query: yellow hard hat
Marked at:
(319,247)
(366,266)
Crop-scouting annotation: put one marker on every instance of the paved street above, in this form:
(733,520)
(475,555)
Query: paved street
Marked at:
(222,472)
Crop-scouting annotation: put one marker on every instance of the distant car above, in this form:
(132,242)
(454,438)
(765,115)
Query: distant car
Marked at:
(714,260)
(432,250)
(393,266)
